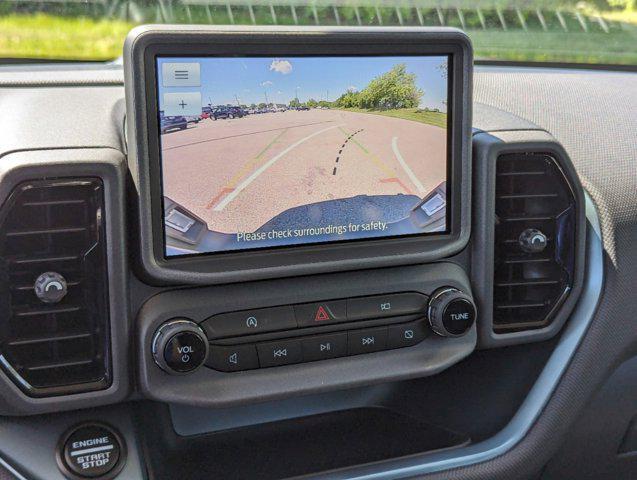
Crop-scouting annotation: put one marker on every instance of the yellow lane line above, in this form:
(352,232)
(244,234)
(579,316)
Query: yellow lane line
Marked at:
(248,165)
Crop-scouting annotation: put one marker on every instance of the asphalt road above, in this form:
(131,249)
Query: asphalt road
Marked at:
(238,174)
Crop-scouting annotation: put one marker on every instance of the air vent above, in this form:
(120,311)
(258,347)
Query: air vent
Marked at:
(56,346)
(534,241)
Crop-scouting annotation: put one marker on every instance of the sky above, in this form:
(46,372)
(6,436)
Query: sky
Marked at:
(226,79)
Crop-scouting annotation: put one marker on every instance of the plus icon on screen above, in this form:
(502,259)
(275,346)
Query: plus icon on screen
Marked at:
(182,104)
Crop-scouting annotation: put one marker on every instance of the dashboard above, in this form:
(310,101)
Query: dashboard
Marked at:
(456,329)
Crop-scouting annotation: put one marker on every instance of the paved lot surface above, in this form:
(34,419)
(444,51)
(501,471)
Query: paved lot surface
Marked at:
(237,174)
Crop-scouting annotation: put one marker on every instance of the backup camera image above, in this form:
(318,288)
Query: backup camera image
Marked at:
(261,152)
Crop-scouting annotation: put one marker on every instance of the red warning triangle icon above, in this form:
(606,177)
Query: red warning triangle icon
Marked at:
(321,314)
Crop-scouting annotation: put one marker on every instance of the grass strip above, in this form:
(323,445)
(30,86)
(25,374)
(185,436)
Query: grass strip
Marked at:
(437,119)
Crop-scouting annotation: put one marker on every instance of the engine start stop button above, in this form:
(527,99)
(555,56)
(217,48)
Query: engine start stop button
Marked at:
(91,450)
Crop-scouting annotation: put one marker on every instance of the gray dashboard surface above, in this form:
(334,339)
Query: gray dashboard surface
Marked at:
(593,115)
(60,117)
(591,112)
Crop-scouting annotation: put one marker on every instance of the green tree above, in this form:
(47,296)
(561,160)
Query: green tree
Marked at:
(262,105)
(312,103)
(349,99)
(295,103)
(628,5)
(391,90)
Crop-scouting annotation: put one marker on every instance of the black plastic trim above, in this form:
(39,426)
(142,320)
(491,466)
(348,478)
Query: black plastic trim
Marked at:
(108,165)
(487,148)
(93,258)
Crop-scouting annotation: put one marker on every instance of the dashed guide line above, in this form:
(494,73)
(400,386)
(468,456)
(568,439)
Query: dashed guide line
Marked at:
(377,161)
(338,157)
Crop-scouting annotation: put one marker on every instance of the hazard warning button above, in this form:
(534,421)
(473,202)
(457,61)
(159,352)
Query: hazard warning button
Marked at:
(323,313)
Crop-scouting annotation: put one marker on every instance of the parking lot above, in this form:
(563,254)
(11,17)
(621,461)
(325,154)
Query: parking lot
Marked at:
(236,174)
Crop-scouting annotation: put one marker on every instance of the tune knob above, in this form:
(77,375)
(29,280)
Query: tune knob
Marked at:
(180,346)
(451,312)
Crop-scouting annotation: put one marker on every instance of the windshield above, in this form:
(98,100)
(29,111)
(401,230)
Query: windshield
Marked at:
(565,31)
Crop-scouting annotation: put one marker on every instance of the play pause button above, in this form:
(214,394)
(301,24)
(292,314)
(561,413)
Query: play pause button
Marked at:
(321,347)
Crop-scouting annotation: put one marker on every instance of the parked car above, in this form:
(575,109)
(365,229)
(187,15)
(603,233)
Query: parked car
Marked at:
(227,112)
(237,112)
(219,113)
(168,123)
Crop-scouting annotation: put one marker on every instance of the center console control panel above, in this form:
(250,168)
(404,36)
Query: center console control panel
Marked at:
(309,332)
(304,333)
(314,331)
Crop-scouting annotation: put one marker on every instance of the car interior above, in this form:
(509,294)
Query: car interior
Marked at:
(318,239)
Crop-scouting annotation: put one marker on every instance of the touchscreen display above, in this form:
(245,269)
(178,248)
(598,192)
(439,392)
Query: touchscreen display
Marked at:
(264,152)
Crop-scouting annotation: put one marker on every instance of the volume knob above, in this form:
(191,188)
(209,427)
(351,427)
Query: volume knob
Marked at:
(451,312)
(180,346)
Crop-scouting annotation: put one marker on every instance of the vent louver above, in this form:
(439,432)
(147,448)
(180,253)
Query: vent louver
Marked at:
(60,347)
(534,241)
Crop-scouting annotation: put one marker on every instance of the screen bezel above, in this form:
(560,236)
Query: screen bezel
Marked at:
(145,45)
(448,156)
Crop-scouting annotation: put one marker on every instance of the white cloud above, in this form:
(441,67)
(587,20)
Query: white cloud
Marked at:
(352,89)
(267,83)
(281,66)
(279,92)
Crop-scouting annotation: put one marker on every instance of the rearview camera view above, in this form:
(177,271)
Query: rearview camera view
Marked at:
(267,152)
